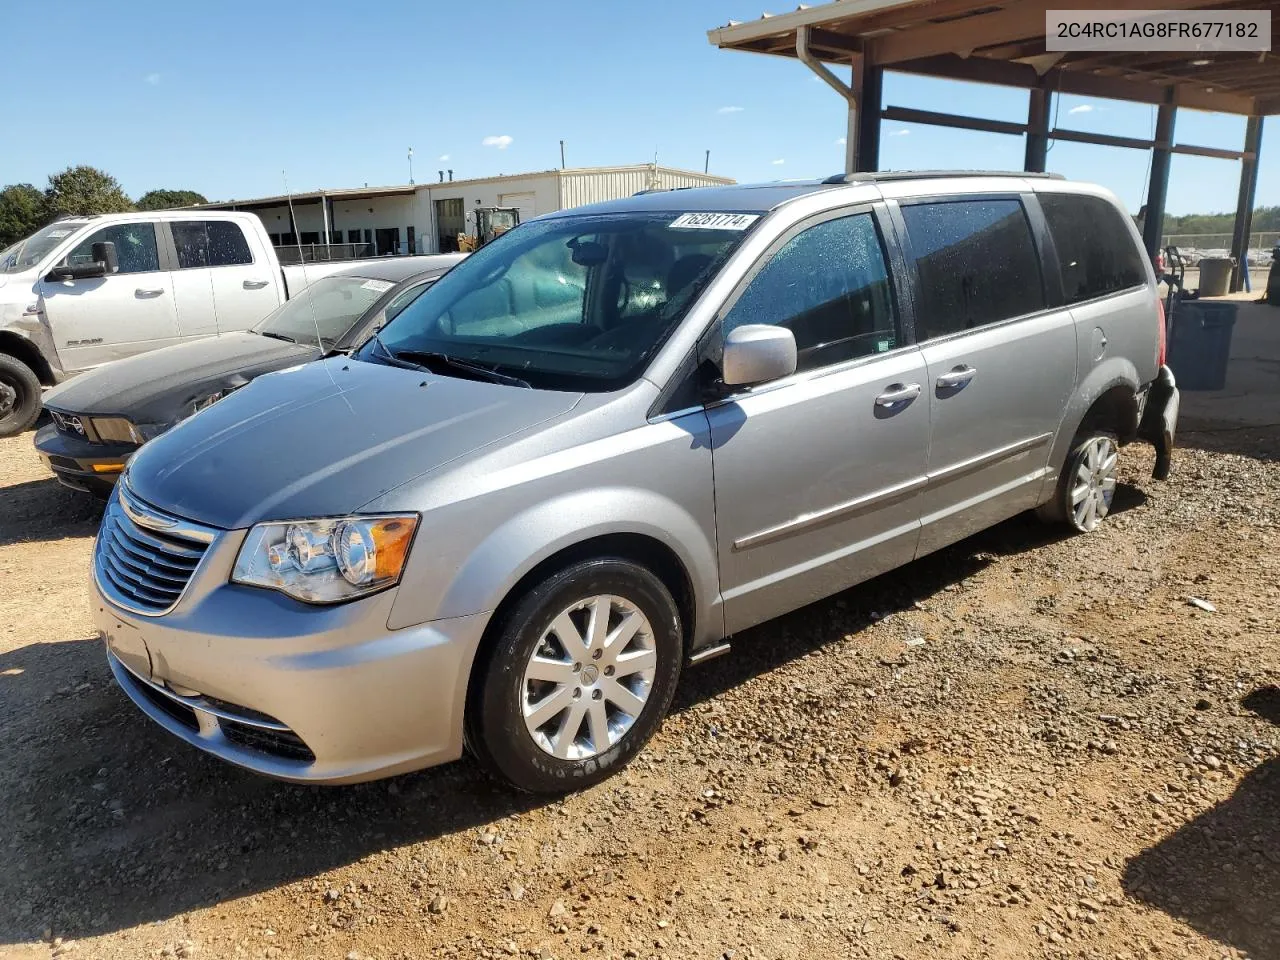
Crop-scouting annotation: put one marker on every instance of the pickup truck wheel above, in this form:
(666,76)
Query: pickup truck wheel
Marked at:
(581,674)
(19,396)
(1087,484)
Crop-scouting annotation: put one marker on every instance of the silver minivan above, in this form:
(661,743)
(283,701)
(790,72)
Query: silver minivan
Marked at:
(606,443)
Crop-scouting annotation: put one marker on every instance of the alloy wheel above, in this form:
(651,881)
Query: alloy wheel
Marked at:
(589,677)
(1094,483)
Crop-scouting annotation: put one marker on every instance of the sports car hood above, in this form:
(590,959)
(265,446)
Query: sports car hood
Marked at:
(325,439)
(161,385)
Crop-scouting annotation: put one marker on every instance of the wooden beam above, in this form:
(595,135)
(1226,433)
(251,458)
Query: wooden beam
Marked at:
(1244,203)
(909,115)
(1020,20)
(982,70)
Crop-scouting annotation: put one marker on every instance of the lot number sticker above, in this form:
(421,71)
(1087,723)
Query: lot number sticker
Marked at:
(714,221)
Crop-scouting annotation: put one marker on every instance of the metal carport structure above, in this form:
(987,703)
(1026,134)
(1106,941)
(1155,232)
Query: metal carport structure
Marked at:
(1003,42)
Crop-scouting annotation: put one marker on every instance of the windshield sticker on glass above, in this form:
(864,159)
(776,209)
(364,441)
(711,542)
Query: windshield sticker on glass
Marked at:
(59,234)
(714,221)
(378,285)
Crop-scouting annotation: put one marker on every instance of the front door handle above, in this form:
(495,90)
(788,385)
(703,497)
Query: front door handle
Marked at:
(141,292)
(956,377)
(898,393)
(255,284)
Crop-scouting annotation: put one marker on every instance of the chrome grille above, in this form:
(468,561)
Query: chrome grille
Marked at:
(144,558)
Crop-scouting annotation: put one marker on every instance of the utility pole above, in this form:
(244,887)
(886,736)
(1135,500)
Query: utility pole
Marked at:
(706,166)
(561,154)
(411,164)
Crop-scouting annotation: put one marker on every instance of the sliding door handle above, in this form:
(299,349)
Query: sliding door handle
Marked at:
(956,377)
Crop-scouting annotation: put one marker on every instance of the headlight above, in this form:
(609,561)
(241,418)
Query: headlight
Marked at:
(116,430)
(326,561)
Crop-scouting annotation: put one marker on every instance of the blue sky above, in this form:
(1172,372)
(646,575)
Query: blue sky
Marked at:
(221,97)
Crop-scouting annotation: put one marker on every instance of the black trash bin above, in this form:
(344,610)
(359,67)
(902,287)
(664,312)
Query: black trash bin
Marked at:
(1201,343)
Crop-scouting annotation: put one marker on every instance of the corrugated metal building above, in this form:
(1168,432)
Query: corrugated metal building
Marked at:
(427,218)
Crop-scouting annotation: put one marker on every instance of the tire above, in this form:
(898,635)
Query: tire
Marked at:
(1087,484)
(19,396)
(536,733)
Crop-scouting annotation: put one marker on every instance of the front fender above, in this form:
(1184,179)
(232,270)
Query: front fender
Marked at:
(527,539)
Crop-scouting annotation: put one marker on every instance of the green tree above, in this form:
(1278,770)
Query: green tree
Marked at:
(168,199)
(22,212)
(85,190)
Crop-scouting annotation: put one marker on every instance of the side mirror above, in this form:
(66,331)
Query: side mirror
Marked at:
(104,252)
(757,353)
(105,261)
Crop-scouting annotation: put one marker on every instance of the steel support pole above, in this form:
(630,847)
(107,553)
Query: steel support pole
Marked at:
(1244,202)
(1037,153)
(870,104)
(1158,188)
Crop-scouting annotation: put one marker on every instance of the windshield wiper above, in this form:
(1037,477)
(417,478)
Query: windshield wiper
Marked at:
(276,336)
(426,358)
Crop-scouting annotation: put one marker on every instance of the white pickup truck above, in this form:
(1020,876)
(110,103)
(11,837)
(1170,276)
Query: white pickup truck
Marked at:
(81,292)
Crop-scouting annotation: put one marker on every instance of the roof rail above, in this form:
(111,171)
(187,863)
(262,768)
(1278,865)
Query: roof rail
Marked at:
(933,175)
(641,193)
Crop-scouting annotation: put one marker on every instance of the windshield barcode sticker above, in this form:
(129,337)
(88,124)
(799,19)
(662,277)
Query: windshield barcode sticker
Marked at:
(714,221)
(378,285)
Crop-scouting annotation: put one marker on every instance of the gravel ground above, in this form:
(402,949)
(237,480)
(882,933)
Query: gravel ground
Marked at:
(1024,746)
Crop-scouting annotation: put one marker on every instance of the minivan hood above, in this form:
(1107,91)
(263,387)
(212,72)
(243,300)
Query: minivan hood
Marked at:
(160,386)
(326,438)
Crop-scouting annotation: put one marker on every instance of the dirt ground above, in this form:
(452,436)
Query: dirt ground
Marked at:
(1024,746)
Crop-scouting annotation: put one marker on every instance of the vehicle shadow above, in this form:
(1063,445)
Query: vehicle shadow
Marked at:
(39,510)
(1220,873)
(111,822)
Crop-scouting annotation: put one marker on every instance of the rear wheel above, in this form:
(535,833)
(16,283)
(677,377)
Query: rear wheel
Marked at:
(1087,484)
(19,396)
(581,674)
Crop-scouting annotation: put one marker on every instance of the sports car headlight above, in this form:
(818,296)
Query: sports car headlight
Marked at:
(326,561)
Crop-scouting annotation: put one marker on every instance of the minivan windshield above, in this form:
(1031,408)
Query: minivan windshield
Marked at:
(565,303)
(30,251)
(320,314)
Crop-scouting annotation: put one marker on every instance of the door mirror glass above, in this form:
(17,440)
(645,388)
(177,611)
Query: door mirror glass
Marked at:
(104,253)
(757,353)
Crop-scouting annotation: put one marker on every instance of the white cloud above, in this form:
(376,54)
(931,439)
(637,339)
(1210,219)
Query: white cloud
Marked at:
(841,141)
(900,132)
(1083,108)
(443,157)
(152,78)
(779,162)
(501,142)
(731,109)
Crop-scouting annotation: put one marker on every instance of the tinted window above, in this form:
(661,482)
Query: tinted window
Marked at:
(135,247)
(830,287)
(214,243)
(976,264)
(1096,253)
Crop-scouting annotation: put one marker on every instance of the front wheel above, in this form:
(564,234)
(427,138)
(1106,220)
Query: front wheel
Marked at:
(579,677)
(1087,484)
(19,396)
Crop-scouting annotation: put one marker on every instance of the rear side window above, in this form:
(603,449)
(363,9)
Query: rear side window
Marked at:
(976,264)
(830,287)
(210,243)
(1096,252)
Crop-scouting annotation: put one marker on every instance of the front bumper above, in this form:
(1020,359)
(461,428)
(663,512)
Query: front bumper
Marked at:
(303,693)
(1160,420)
(73,460)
